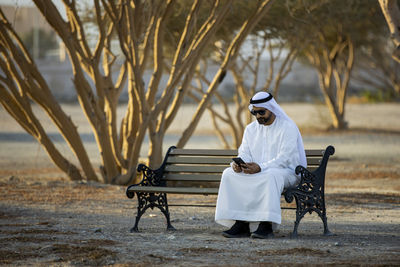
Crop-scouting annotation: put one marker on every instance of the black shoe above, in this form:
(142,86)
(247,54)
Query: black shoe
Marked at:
(239,229)
(263,231)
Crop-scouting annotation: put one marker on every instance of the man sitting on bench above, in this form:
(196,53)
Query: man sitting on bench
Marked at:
(249,193)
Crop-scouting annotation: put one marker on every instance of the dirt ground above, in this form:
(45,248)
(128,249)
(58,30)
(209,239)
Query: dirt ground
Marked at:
(47,220)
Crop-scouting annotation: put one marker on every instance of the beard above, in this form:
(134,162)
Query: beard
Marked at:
(263,120)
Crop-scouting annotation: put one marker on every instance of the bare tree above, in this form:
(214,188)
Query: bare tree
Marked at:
(334,66)
(246,73)
(140,27)
(333,31)
(278,59)
(229,59)
(376,69)
(391,12)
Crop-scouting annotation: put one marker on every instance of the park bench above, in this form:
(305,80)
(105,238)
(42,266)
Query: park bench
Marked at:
(198,171)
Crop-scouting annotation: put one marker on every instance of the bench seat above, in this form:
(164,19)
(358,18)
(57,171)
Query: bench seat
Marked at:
(176,190)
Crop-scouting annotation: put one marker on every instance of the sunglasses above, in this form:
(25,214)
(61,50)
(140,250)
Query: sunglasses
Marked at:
(261,112)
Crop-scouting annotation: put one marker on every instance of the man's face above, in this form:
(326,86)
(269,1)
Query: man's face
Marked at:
(263,115)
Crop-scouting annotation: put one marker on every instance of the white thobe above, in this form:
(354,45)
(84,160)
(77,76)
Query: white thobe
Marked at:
(256,197)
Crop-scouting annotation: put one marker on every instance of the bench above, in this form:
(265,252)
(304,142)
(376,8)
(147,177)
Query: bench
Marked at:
(198,171)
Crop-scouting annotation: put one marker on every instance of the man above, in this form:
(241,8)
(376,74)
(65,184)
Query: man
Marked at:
(249,193)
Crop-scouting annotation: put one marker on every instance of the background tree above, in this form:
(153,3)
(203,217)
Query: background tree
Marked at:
(333,30)
(390,9)
(377,70)
(264,48)
(261,48)
(140,30)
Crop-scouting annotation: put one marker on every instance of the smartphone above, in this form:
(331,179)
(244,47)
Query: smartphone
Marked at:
(239,161)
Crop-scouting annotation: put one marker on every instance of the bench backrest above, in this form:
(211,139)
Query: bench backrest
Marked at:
(205,166)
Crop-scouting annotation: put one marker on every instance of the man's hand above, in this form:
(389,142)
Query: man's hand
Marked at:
(248,168)
(251,168)
(236,167)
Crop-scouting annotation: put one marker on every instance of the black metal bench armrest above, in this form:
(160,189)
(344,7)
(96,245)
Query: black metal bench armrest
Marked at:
(150,177)
(310,182)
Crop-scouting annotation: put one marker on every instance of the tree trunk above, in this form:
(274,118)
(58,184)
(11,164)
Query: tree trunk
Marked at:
(334,67)
(155,156)
(391,12)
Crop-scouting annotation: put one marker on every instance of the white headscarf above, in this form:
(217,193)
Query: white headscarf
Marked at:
(266,100)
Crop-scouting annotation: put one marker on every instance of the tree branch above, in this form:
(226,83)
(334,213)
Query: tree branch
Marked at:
(391,12)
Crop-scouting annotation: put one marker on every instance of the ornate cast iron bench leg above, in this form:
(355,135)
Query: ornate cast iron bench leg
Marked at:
(163,206)
(310,192)
(310,197)
(141,209)
(324,219)
(301,209)
(151,200)
(309,202)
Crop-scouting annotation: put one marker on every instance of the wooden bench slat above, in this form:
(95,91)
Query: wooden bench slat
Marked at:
(201,177)
(226,161)
(194,168)
(199,160)
(314,152)
(207,152)
(206,169)
(192,177)
(230,152)
(175,190)
(313,161)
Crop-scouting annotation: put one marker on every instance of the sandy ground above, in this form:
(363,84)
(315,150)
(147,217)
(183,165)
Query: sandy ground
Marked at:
(47,220)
